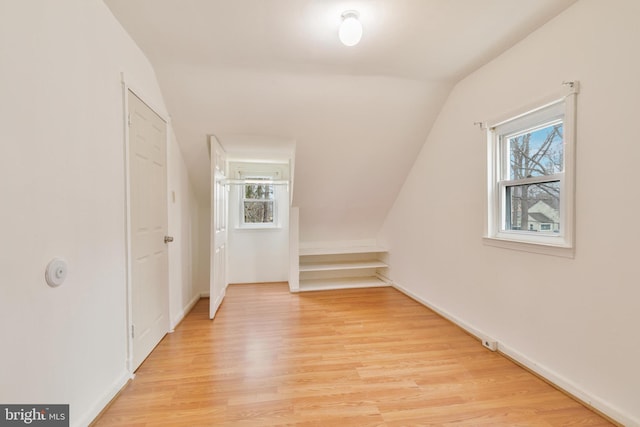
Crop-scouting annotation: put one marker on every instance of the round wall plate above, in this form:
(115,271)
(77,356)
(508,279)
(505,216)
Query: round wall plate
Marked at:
(56,272)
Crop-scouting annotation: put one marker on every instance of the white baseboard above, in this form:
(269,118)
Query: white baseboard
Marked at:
(559,381)
(176,321)
(90,415)
(470,329)
(570,387)
(204,294)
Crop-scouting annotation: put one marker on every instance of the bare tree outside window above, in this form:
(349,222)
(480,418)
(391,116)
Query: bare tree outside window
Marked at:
(531,180)
(537,153)
(258,203)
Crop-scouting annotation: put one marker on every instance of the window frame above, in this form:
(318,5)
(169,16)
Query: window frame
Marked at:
(249,178)
(274,173)
(545,111)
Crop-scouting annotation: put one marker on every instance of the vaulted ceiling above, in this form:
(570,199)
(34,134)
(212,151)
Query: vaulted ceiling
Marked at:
(272,74)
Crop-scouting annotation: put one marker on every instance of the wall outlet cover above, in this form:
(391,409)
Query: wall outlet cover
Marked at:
(490,344)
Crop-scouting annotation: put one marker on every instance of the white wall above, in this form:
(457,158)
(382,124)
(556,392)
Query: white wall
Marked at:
(204,248)
(575,320)
(258,255)
(62,189)
(184,280)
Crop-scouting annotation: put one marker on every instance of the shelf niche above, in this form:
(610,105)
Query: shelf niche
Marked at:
(341,268)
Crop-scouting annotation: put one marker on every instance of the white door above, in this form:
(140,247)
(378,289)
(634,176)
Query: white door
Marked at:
(219,200)
(148,227)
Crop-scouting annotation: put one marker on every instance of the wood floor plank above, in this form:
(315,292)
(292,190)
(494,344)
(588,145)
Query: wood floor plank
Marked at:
(354,357)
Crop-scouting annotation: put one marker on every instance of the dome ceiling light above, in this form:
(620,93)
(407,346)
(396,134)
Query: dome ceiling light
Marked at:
(350,31)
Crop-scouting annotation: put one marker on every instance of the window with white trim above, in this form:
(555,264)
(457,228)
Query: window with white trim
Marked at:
(259,195)
(258,201)
(531,178)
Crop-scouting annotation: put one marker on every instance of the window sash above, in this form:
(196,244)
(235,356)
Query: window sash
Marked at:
(532,180)
(268,199)
(505,210)
(261,202)
(505,144)
(547,116)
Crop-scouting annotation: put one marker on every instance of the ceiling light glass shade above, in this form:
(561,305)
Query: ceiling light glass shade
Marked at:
(350,31)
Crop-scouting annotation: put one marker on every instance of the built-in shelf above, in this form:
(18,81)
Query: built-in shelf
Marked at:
(341,268)
(341,265)
(340,283)
(304,251)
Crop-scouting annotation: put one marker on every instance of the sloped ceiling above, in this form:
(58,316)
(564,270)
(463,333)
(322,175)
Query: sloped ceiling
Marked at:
(270,72)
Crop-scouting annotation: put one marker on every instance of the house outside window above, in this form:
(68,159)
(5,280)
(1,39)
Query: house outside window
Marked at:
(531,178)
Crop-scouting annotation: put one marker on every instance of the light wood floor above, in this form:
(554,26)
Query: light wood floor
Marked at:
(369,357)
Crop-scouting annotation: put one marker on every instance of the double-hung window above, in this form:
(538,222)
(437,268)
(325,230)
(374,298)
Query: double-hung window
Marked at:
(258,202)
(259,197)
(531,178)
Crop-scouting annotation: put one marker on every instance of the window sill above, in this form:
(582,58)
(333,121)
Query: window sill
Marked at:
(258,227)
(533,247)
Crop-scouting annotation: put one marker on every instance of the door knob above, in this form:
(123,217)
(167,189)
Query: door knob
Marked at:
(168,239)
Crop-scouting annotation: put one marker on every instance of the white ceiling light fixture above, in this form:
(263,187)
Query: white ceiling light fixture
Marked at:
(350,31)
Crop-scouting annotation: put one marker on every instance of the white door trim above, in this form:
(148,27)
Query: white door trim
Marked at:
(126,88)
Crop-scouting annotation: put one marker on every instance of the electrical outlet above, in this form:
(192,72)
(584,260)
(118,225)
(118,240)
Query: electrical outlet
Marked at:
(490,344)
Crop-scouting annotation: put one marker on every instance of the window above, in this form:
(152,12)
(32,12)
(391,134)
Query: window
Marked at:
(258,201)
(258,195)
(530,186)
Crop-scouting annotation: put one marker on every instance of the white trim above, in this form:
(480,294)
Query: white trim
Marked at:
(176,321)
(92,413)
(540,113)
(255,181)
(453,319)
(543,249)
(557,244)
(294,257)
(257,226)
(259,175)
(538,104)
(131,85)
(569,387)
(548,374)
(533,180)
(127,213)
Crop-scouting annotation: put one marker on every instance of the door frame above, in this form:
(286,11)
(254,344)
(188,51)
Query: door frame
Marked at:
(128,86)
